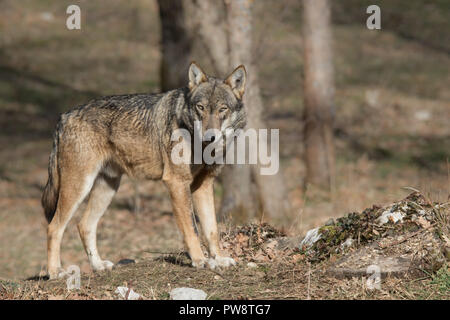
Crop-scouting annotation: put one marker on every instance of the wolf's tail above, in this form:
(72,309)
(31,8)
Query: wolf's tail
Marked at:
(51,190)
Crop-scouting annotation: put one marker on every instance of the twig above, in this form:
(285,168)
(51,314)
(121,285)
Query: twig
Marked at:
(128,291)
(161,252)
(309,282)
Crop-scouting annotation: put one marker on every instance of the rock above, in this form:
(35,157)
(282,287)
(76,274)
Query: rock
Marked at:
(356,264)
(127,293)
(312,236)
(187,294)
(47,16)
(422,115)
(391,215)
(373,98)
(126,261)
(347,243)
(123,262)
(402,255)
(252,265)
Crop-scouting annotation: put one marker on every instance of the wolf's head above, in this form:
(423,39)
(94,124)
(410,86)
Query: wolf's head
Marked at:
(216,104)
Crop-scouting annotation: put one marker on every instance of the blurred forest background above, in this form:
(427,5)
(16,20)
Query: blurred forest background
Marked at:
(391,110)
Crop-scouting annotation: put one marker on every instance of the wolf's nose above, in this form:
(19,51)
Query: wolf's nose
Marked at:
(213,137)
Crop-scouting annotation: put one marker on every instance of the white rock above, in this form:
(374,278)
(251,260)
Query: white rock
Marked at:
(252,265)
(422,115)
(347,243)
(373,98)
(187,294)
(122,291)
(388,215)
(312,236)
(47,16)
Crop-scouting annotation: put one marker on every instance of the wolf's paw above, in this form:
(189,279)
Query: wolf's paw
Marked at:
(57,274)
(214,263)
(224,262)
(200,263)
(220,262)
(102,265)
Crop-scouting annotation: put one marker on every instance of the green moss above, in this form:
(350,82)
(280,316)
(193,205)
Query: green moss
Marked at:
(328,232)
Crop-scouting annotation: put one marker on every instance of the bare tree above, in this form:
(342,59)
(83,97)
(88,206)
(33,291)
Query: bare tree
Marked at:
(225,29)
(176,44)
(318,93)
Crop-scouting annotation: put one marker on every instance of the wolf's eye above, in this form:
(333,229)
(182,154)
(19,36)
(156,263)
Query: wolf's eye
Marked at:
(223,109)
(200,107)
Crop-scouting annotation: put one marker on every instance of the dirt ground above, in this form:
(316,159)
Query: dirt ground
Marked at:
(271,268)
(392,132)
(155,279)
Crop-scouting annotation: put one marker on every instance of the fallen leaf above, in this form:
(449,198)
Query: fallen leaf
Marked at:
(424,223)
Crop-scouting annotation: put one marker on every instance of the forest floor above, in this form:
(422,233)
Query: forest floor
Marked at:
(410,250)
(392,132)
(154,279)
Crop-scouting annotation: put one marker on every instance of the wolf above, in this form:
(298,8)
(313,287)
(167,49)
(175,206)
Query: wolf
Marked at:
(97,143)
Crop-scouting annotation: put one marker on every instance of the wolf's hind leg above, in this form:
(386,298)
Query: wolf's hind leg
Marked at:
(72,192)
(100,197)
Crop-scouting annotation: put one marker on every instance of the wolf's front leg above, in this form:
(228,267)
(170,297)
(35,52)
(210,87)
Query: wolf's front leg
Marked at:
(203,195)
(180,194)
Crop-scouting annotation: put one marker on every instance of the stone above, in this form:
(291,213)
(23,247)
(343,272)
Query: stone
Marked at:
(123,291)
(187,294)
(124,262)
(312,236)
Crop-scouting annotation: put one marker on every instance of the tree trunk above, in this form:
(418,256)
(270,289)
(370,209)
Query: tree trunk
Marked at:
(229,44)
(224,28)
(208,24)
(270,188)
(176,45)
(211,27)
(318,94)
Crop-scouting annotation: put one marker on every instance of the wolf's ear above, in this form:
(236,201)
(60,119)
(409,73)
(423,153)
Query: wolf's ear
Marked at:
(236,80)
(196,75)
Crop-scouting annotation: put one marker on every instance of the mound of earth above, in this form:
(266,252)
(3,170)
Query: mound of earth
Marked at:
(407,237)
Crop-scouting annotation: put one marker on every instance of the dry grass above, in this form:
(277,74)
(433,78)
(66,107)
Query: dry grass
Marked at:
(154,279)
